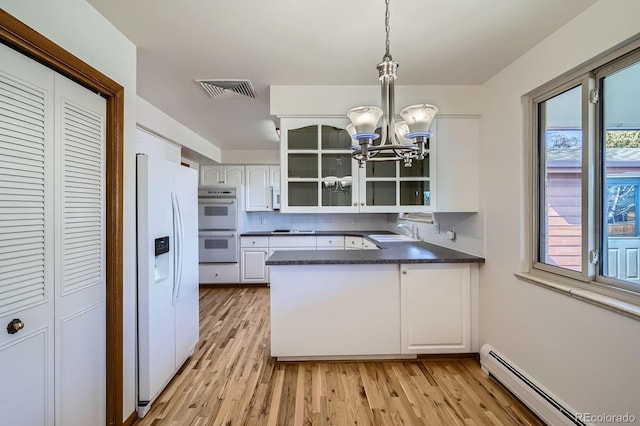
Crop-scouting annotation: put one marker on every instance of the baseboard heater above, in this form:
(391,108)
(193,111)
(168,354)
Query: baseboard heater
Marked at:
(542,402)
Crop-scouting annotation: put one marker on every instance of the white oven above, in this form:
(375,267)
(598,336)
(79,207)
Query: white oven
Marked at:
(217,208)
(217,224)
(218,246)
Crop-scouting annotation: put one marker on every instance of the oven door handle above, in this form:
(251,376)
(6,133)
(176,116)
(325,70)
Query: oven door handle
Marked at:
(210,201)
(207,235)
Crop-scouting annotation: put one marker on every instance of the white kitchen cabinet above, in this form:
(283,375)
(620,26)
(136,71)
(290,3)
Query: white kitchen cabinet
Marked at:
(415,308)
(318,310)
(358,243)
(253,265)
(292,242)
(320,176)
(457,151)
(232,175)
(353,243)
(368,245)
(219,273)
(261,181)
(274,176)
(333,242)
(435,305)
(254,252)
(317,169)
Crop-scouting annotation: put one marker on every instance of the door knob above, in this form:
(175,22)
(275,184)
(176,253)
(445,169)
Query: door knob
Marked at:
(14,326)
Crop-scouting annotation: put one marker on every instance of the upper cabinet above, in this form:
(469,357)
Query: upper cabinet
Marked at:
(389,187)
(232,175)
(262,184)
(319,175)
(456,142)
(316,166)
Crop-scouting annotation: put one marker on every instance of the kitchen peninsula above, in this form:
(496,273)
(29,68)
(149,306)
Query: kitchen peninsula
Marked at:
(406,298)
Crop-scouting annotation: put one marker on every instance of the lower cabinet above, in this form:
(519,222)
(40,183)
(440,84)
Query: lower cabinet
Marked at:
(368,245)
(318,310)
(253,265)
(435,306)
(358,243)
(330,243)
(254,252)
(219,273)
(334,310)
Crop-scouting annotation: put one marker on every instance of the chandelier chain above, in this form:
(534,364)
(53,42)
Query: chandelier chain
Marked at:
(365,119)
(387,55)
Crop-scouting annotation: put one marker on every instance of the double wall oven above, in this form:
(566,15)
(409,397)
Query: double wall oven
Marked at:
(218,223)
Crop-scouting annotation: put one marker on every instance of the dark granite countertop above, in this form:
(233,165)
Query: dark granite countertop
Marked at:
(389,252)
(319,233)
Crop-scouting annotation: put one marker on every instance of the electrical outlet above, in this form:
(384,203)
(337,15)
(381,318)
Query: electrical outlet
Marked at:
(263,220)
(451,233)
(354,221)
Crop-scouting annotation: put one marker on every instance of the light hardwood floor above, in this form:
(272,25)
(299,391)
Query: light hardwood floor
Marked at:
(232,380)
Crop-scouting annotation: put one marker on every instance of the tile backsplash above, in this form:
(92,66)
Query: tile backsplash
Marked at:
(469,227)
(268,221)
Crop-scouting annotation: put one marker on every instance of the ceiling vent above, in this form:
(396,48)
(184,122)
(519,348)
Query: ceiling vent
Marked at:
(217,88)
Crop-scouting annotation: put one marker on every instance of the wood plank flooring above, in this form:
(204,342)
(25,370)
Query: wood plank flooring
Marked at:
(231,379)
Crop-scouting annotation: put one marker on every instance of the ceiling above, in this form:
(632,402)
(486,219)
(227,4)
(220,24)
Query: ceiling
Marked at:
(315,42)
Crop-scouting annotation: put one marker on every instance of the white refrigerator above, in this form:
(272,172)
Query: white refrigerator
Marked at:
(168,317)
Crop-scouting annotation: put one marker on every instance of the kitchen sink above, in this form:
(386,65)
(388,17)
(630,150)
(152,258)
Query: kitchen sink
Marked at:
(390,238)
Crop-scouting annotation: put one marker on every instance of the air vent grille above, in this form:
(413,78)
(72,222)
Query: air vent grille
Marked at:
(217,88)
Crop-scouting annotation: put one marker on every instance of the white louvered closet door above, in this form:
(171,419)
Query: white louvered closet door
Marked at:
(79,255)
(26,241)
(52,278)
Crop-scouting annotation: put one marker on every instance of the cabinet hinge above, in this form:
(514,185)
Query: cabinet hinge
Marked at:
(594,96)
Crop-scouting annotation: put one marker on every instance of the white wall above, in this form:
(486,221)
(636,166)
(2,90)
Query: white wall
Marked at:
(151,118)
(253,156)
(586,355)
(288,101)
(156,146)
(468,228)
(80,29)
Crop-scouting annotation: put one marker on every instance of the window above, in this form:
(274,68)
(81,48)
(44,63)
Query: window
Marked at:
(586,130)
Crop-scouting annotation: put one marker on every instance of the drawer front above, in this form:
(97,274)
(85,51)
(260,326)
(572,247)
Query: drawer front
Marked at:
(353,243)
(292,241)
(248,242)
(334,241)
(212,273)
(368,245)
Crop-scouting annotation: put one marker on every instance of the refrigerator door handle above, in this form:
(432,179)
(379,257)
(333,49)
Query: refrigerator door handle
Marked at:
(176,245)
(180,252)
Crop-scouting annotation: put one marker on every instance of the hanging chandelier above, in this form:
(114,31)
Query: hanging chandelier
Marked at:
(399,141)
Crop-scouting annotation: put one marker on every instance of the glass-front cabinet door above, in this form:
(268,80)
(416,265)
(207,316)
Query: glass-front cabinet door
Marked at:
(319,168)
(321,176)
(388,186)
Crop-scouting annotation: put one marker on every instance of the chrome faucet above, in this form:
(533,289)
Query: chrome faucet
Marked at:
(411,227)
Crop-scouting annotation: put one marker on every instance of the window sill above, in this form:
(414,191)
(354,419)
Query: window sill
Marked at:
(628,309)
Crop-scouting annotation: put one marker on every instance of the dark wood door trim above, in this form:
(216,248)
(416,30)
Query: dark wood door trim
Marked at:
(24,39)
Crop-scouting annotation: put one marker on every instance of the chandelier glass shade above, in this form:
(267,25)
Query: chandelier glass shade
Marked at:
(398,141)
